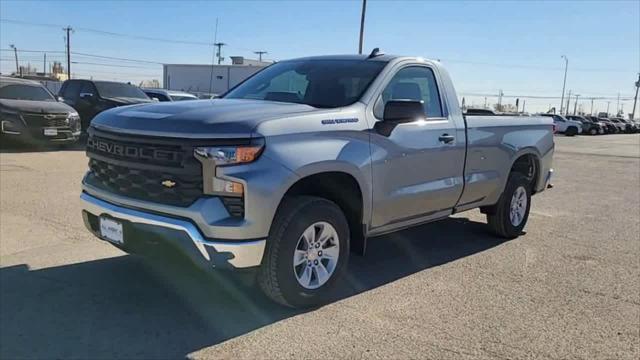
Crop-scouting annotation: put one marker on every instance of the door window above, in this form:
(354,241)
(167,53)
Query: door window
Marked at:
(71,91)
(412,83)
(88,88)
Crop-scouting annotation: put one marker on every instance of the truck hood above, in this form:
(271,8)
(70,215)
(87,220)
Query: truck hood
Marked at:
(219,118)
(47,107)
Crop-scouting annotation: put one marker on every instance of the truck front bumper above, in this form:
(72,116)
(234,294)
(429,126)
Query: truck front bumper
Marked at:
(141,229)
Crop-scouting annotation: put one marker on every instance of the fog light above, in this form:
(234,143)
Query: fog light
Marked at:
(227,188)
(8,127)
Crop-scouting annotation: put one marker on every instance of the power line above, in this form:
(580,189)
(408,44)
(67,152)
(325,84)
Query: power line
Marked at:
(110,65)
(117,58)
(37,51)
(109,33)
(530,67)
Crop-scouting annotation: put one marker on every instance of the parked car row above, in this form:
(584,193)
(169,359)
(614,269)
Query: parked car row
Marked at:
(571,125)
(31,114)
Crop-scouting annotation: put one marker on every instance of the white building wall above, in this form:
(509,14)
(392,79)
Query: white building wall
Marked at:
(198,78)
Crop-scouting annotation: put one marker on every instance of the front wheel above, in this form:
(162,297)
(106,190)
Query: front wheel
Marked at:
(571,131)
(511,213)
(307,252)
(593,131)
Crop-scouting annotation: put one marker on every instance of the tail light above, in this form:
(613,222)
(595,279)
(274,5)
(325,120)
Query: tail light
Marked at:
(555,128)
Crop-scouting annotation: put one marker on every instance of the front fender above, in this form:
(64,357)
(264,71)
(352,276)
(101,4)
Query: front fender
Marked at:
(313,153)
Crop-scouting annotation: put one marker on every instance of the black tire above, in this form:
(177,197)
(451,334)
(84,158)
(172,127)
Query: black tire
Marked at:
(593,131)
(571,131)
(276,274)
(498,220)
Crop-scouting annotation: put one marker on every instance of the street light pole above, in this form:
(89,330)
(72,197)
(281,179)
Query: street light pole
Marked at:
(564,83)
(575,106)
(15,52)
(364,9)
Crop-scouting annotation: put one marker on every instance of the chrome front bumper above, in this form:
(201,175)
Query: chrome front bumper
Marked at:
(239,254)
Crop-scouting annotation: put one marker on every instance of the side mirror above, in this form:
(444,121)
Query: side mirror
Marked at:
(60,98)
(403,111)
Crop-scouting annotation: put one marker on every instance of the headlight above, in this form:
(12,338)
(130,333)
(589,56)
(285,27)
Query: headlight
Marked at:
(212,157)
(227,155)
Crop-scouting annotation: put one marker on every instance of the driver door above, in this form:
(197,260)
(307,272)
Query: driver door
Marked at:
(417,168)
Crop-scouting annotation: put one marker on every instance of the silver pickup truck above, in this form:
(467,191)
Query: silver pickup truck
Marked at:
(297,166)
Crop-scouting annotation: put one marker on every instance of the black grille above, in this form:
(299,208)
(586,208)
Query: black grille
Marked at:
(151,185)
(160,170)
(234,205)
(46,120)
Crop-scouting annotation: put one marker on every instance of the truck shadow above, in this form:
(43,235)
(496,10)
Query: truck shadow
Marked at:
(124,307)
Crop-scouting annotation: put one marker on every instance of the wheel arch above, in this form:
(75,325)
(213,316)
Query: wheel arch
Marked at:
(339,183)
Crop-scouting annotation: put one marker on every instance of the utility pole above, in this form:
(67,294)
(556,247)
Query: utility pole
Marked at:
(564,83)
(635,99)
(591,106)
(500,93)
(68,29)
(213,56)
(259,53)
(44,65)
(618,104)
(364,9)
(608,102)
(485,102)
(15,52)
(575,106)
(219,45)
(568,100)
(523,104)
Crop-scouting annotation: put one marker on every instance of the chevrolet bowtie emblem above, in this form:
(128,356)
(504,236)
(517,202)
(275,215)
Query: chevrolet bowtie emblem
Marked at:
(168,183)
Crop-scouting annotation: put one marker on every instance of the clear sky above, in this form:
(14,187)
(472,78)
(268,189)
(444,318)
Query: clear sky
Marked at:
(515,47)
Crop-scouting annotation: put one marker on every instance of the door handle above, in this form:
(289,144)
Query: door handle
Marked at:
(446,138)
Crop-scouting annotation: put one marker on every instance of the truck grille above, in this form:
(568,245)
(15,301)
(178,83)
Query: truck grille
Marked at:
(153,169)
(157,186)
(46,120)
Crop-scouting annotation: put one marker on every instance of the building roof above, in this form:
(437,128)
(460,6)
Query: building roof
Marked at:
(13,80)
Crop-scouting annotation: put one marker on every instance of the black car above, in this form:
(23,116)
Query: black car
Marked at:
(32,115)
(91,97)
(588,126)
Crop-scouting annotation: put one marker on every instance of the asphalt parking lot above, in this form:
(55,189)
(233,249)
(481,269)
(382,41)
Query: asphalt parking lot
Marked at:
(569,288)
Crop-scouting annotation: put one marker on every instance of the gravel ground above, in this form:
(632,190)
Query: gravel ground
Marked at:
(569,288)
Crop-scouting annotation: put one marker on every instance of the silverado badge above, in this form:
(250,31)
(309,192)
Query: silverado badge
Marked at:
(168,183)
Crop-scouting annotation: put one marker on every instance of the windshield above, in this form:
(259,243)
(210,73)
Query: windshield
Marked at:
(25,92)
(113,90)
(319,83)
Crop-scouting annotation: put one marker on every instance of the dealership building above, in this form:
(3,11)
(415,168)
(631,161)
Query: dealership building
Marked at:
(209,79)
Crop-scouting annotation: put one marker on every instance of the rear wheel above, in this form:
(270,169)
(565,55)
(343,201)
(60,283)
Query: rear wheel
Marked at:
(307,252)
(571,131)
(511,213)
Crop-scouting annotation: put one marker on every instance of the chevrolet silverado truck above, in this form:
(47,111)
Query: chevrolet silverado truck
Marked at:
(296,167)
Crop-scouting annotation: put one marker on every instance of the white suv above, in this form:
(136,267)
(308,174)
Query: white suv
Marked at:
(564,126)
